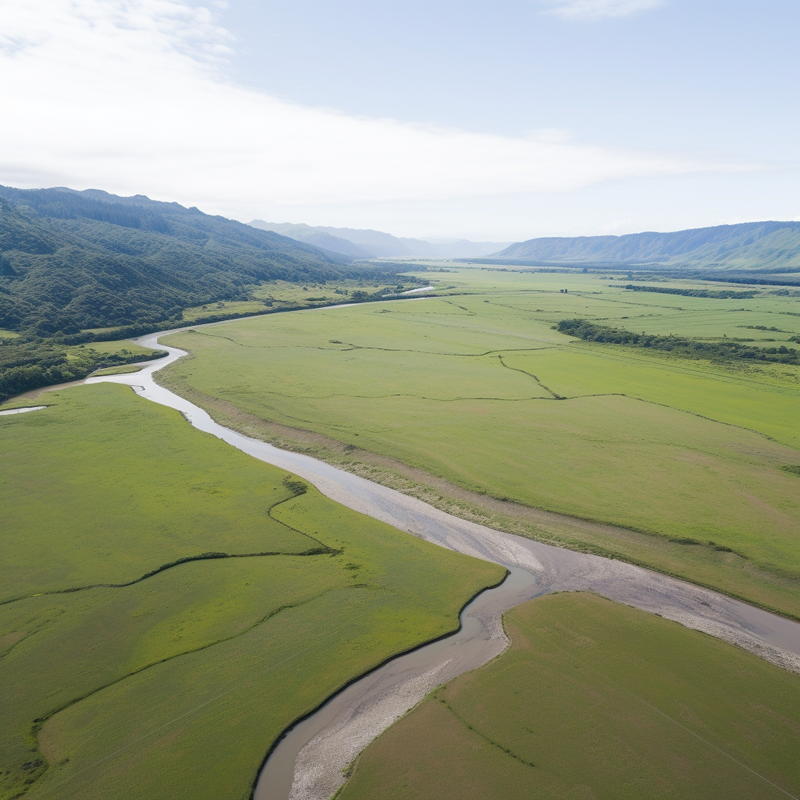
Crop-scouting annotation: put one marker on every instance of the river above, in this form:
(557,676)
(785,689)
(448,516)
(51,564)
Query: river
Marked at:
(308,762)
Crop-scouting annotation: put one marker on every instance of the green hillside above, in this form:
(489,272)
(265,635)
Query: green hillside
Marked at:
(74,260)
(79,267)
(750,245)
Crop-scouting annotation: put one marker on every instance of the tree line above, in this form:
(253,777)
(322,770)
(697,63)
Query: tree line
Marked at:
(719,350)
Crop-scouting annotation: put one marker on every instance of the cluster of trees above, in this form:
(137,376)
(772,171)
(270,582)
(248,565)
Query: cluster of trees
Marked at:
(361,296)
(296,487)
(722,294)
(762,328)
(26,365)
(752,279)
(718,350)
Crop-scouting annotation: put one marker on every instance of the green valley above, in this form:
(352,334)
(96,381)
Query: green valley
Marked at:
(399,401)
(478,401)
(79,268)
(170,604)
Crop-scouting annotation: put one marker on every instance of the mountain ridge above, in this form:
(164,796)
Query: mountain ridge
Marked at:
(73,260)
(745,245)
(378,244)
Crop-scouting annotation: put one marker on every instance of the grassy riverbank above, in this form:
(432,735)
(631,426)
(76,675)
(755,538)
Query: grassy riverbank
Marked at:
(596,700)
(172,604)
(690,459)
(30,364)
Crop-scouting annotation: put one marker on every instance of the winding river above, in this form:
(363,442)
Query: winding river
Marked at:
(308,762)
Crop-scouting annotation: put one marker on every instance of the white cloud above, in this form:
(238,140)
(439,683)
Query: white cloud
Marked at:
(133,96)
(596,9)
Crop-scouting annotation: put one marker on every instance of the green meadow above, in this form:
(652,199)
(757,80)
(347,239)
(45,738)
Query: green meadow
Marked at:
(118,347)
(595,700)
(286,295)
(691,459)
(170,604)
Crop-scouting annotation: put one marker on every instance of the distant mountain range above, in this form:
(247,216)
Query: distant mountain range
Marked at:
(766,246)
(356,243)
(747,246)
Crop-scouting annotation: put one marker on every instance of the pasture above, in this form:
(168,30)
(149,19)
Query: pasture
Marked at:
(285,295)
(170,604)
(690,459)
(595,700)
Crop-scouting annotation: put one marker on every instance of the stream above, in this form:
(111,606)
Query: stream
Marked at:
(308,761)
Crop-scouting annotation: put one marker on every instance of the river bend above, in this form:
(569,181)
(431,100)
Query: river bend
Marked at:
(307,763)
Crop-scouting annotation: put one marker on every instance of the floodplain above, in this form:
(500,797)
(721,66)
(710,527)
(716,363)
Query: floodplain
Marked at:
(595,700)
(472,400)
(170,605)
(195,601)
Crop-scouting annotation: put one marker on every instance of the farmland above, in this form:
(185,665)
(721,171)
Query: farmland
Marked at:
(595,700)
(277,296)
(170,605)
(473,401)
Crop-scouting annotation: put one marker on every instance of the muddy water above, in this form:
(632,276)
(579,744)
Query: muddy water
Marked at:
(307,763)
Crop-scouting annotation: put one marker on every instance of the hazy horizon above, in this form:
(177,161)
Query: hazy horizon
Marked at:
(445,239)
(543,118)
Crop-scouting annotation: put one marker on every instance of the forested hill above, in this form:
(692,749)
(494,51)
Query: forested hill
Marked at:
(74,260)
(748,246)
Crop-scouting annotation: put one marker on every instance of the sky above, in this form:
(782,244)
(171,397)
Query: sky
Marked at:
(499,122)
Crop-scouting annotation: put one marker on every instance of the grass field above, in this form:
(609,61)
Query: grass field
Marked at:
(120,346)
(121,370)
(478,389)
(283,295)
(596,700)
(170,605)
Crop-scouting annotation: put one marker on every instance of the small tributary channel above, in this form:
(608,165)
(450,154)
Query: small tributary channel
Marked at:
(307,763)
